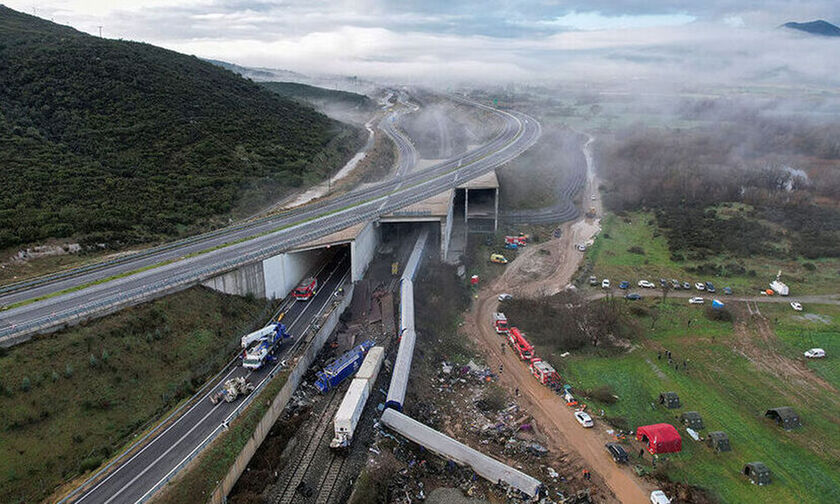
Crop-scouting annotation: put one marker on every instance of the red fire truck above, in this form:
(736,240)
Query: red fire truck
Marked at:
(520,344)
(306,289)
(500,323)
(543,372)
(516,241)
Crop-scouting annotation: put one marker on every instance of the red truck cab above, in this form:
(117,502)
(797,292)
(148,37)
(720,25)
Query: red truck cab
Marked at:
(306,289)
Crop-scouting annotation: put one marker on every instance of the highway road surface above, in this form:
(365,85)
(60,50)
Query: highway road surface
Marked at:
(138,473)
(176,266)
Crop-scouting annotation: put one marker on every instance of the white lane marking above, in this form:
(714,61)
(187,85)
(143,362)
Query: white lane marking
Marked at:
(227,419)
(185,415)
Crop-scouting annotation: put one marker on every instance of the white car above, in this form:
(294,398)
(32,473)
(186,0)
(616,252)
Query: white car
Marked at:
(646,284)
(605,283)
(796,306)
(700,286)
(659,497)
(815,353)
(584,419)
(581,247)
(505,297)
(592,197)
(696,300)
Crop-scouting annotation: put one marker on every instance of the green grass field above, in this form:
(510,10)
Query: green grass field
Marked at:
(735,372)
(611,258)
(731,393)
(73,399)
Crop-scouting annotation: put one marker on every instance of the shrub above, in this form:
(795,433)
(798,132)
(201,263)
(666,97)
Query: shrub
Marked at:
(90,463)
(602,393)
(719,314)
(68,371)
(636,250)
(619,423)
(809,266)
(93,362)
(54,376)
(25,384)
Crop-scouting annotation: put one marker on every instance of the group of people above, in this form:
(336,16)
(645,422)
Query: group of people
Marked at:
(671,360)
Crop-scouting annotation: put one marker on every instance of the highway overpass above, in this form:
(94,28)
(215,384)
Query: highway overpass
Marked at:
(51,303)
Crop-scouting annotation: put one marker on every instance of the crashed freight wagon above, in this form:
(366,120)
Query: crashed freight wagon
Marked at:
(350,411)
(485,466)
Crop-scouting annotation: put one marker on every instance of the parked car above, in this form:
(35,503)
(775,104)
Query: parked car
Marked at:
(663,282)
(505,297)
(796,306)
(581,247)
(815,353)
(605,283)
(624,285)
(659,497)
(592,197)
(700,286)
(696,300)
(584,419)
(710,287)
(686,286)
(593,280)
(617,452)
(727,291)
(633,296)
(675,284)
(646,284)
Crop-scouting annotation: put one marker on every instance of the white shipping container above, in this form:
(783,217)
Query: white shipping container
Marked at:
(371,365)
(349,412)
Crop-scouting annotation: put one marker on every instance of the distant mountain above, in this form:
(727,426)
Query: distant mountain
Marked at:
(114,142)
(818,27)
(260,74)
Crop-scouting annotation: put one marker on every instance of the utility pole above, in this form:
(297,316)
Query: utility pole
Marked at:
(100,31)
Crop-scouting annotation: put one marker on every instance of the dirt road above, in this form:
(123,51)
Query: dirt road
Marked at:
(542,270)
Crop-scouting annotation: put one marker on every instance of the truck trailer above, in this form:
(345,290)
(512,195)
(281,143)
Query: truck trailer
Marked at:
(338,370)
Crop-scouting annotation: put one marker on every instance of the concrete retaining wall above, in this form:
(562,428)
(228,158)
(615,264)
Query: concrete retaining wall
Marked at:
(313,346)
(446,229)
(283,272)
(362,250)
(248,279)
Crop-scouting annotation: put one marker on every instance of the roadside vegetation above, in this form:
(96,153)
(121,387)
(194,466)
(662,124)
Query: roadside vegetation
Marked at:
(111,143)
(534,179)
(73,399)
(733,373)
(632,247)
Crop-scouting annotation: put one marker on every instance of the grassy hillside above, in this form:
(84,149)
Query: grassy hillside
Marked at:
(118,142)
(71,400)
(317,95)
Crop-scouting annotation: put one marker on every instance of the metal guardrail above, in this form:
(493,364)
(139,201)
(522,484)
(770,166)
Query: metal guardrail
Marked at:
(365,211)
(197,396)
(242,405)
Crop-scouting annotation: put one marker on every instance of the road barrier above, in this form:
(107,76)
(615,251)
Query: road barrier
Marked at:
(313,347)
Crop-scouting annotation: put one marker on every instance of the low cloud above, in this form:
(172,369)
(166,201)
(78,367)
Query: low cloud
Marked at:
(495,41)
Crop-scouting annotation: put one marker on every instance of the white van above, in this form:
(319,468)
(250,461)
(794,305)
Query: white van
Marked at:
(659,497)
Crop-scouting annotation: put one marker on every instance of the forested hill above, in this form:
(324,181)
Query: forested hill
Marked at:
(317,95)
(118,142)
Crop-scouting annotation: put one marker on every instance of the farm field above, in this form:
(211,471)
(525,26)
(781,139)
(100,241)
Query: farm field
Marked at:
(730,371)
(630,247)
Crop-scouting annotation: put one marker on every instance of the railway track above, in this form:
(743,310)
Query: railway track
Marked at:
(327,486)
(287,490)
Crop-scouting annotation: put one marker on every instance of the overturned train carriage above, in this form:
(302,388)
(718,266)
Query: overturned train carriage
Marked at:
(446,447)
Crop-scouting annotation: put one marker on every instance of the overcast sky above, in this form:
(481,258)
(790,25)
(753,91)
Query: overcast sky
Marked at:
(452,40)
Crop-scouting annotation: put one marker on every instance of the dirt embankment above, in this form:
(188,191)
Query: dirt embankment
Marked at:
(543,270)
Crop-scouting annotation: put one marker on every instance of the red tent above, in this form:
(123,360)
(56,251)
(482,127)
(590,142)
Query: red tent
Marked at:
(661,438)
